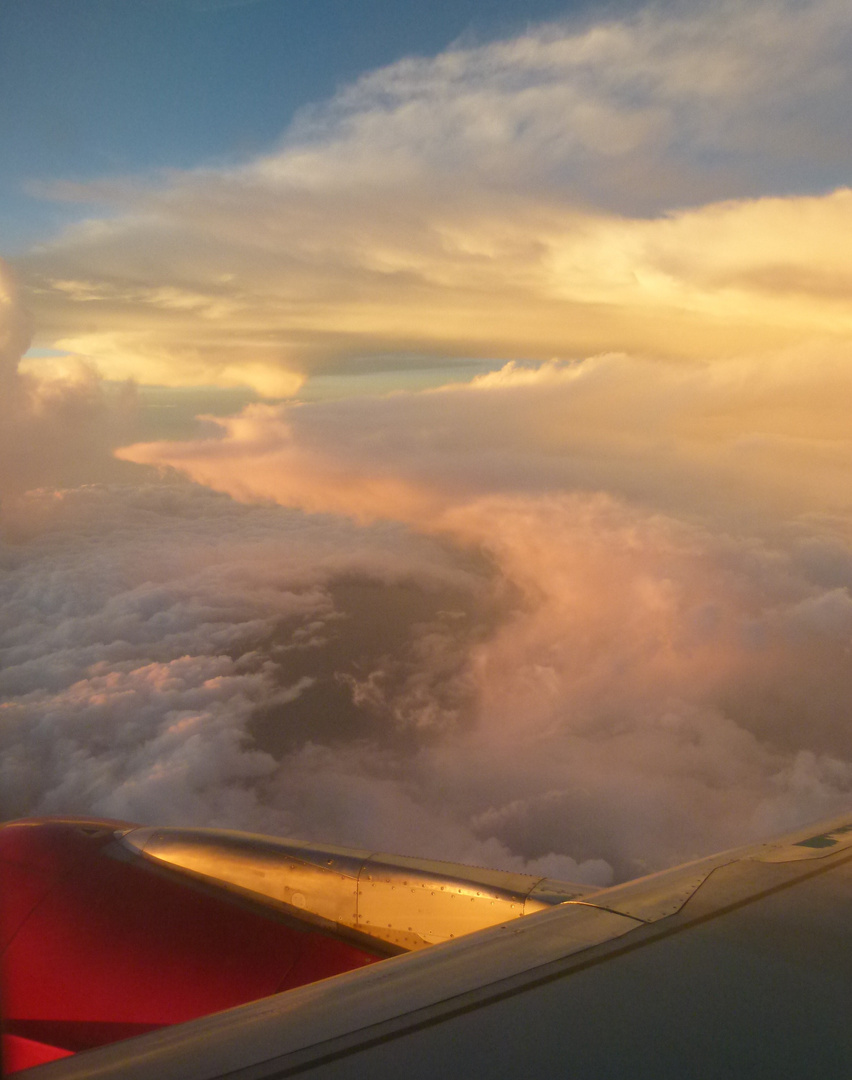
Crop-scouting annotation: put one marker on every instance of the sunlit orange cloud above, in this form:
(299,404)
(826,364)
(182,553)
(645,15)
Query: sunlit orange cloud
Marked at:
(666,645)
(56,430)
(638,224)
(569,191)
(14,330)
(606,492)
(518,280)
(765,435)
(673,628)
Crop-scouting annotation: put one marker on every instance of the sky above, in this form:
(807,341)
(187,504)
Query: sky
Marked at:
(425,427)
(132,87)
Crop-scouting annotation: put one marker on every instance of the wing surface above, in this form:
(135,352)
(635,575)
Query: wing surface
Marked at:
(735,966)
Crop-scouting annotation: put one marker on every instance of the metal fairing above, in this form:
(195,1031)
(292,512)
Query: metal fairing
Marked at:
(407,902)
(735,966)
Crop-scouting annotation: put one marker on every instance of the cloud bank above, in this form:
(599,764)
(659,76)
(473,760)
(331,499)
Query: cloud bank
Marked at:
(588,614)
(635,603)
(159,645)
(631,185)
(56,429)
(552,703)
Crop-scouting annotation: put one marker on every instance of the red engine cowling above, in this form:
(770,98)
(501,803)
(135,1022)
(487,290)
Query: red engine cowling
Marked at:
(96,947)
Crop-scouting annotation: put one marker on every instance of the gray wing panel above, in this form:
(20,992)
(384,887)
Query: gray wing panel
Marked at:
(737,966)
(733,986)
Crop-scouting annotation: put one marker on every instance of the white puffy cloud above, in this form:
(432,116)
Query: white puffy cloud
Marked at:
(153,638)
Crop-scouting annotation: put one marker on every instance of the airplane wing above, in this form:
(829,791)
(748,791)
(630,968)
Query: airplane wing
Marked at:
(739,965)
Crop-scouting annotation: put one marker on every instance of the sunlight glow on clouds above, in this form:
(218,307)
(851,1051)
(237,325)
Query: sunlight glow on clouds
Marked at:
(59,429)
(515,199)
(637,665)
(526,620)
(716,281)
(766,435)
(679,640)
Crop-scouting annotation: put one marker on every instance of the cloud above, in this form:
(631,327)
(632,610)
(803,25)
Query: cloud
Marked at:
(670,558)
(525,621)
(569,191)
(145,630)
(761,437)
(14,331)
(552,703)
(639,112)
(635,598)
(55,429)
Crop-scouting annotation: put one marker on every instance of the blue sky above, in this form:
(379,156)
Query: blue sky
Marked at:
(99,88)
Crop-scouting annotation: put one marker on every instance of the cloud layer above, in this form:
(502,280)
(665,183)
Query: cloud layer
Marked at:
(55,429)
(679,541)
(632,185)
(657,615)
(588,615)
(551,692)
(761,438)
(155,640)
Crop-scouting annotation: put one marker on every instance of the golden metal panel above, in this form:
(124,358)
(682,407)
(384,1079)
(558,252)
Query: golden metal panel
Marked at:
(323,882)
(405,901)
(433,906)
